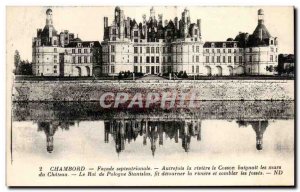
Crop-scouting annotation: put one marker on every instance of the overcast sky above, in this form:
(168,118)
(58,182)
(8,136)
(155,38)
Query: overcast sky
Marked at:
(218,23)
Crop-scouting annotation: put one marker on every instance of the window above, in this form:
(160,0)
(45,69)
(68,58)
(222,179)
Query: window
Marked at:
(218,50)
(234,50)
(207,50)
(218,59)
(193,59)
(112,69)
(224,50)
(135,69)
(157,59)
(197,58)
(73,51)
(54,43)
(271,42)
(136,40)
(85,50)
(135,59)
(234,59)
(152,59)
(212,59)
(229,59)
(213,50)
(112,59)
(85,59)
(91,59)
(114,31)
(229,50)
(112,48)
(141,69)
(193,69)
(164,60)
(164,49)
(136,33)
(135,50)
(272,49)
(152,49)
(197,49)
(147,49)
(207,59)
(147,59)
(193,48)
(79,59)
(169,59)
(55,61)
(55,50)
(114,39)
(169,49)
(141,50)
(157,49)
(147,69)
(271,58)
(250,58)
(141,59)
(224,59)
(240,59)
(73,59)
(79,50)
(250,50)
(197,69)
(157,69)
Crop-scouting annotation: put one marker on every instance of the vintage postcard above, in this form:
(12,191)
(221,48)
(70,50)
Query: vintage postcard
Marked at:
(150,96)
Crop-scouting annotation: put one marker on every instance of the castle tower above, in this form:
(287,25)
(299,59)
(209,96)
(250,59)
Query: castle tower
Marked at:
(49,21)
(260,14)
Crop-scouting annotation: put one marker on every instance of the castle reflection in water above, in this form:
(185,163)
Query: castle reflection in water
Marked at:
(127,131)
(179,125)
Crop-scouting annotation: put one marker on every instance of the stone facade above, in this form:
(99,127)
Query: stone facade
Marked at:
(155,46)
(60,54)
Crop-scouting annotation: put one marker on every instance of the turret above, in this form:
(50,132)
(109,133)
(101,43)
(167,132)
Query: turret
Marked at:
(260,14)
(199,26)
(49,20)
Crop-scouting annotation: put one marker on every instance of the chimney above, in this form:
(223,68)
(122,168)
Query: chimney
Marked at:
(199,26)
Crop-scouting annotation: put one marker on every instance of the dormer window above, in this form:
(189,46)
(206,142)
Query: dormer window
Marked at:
(212,45)
(224,44)
(79,44)
(272,42)
(234,45)
(91,44)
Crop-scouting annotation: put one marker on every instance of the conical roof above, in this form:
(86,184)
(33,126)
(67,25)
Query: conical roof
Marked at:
(261,28)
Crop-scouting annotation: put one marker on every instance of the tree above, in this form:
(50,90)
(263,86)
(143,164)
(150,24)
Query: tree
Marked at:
(184,75)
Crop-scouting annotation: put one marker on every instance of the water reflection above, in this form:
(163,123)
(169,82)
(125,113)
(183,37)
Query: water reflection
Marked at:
(179,126)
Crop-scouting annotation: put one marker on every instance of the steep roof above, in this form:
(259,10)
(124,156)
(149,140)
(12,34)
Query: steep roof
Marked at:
(261,28)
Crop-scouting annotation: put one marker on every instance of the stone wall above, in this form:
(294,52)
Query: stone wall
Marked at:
(204,89)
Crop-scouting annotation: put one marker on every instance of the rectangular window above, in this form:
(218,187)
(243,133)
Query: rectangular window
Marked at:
(141,69)
(73,59)
(55,50)
(207,59)
(135,69)
(157,59)
(152,59)
(136,40)
(79,50)
(147,49)
(157,49)
(147,69)
(229,59)
(91,59)
(234,59)
(73,51)
(141,59)
(169,49)
(250,58)
(135,59)
(147,59)
(85,50)
(240,59)
(218,50)
(136,33)
(213,50)
(229,50)
(197,49)
(212,59)
(218,59)
(112,69)
(112,48)
(207,50)
(193,48)
(152,49)
(193,69)
(112,58)
(197,59)
(164,49)
(197,69)
(271,58)
(79,59)
(135,49)
(157,69)
(85,59)
(169,59)
(224,50)
(141,50)
(224,59)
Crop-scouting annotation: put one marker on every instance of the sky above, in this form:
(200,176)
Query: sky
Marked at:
(217,23)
